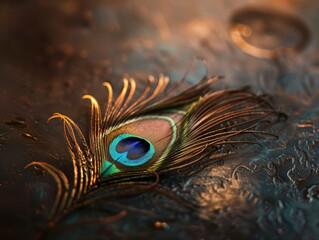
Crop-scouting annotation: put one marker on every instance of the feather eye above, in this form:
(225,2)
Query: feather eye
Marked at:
(157,132)
(140,144)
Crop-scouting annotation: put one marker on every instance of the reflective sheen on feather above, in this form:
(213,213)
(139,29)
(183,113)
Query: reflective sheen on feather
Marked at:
(154,132)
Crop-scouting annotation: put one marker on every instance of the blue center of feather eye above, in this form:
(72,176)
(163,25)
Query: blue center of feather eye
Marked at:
(131,150)
(135,147)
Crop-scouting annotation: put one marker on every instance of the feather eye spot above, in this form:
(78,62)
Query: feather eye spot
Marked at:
(131,150)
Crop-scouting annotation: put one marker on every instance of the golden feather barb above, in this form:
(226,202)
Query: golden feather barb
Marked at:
(157,132)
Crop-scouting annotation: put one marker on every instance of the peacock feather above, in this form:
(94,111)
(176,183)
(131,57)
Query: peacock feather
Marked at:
(157,131)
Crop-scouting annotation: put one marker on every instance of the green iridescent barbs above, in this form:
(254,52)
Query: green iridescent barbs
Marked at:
(160,130)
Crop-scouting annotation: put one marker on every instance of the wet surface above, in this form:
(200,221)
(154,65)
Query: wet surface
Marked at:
(267,33)
(54,52)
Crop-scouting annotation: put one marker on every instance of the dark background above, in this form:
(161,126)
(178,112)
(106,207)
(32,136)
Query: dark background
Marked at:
(53,52)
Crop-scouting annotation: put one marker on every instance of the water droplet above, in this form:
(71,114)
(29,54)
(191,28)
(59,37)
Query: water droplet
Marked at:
(161,225)
(17,123)
(304,125)
(268,33)
(29,136)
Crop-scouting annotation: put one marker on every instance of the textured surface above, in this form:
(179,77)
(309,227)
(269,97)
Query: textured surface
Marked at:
(56,51)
